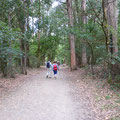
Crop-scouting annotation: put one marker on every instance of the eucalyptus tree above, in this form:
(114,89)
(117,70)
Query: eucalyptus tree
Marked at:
(71,35)
(84,21)
(21,16)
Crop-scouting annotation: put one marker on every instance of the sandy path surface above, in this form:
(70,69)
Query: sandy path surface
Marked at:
(40,98)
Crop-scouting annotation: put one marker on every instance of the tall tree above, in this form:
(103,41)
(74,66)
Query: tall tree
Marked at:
(84,20)
(110,9)
(21,16)
(39,20)
(111,17)
(28,32)
(71,35)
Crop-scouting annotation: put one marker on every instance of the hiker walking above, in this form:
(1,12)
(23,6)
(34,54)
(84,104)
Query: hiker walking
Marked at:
(55,69)
(49,69)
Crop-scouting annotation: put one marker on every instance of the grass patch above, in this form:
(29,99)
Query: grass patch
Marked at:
(107,97)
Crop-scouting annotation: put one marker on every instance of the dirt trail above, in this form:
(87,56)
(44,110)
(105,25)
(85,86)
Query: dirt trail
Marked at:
(40,98)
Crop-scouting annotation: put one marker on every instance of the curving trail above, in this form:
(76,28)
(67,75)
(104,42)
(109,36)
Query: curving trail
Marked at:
(40,98)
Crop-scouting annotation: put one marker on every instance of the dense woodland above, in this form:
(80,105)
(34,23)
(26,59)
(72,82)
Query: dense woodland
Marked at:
(75,32)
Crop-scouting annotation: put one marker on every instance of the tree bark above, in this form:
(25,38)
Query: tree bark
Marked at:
(10,55)
(28,30)
(111,16)
(23,43)
(111,19)
(84,20)
(77,10)
(71,36)
(38,50)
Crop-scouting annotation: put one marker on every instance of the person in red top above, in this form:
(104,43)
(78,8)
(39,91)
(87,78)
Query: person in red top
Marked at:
(55,68)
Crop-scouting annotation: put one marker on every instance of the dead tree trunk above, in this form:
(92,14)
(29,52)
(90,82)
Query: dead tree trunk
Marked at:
(71,36)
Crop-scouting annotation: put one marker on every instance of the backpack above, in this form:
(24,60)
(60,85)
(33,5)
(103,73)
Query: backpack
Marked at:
(48,64)
(55,67)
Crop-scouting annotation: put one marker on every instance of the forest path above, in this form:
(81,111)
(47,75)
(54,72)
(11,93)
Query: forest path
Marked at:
(40,98)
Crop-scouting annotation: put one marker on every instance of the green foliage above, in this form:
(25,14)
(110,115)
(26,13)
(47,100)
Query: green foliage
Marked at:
(107,97)
(8,40)
(46,47)
(63,54)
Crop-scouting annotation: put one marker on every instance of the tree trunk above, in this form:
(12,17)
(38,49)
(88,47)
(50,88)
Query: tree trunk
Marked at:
(25,59)
(22,58)
(23,44)
(10,55)
(77,22)
(84,56)
(28,30)
(71,36)
(25,49)
(77,10)
(111,16)
(38,51)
